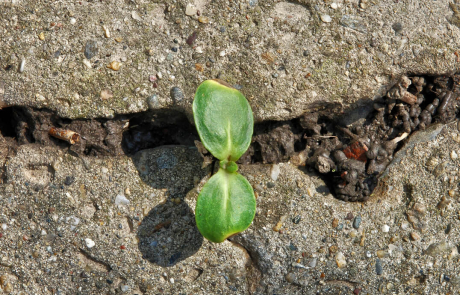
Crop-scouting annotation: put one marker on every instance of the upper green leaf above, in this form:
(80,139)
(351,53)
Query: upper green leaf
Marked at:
(223,118)
(226,206)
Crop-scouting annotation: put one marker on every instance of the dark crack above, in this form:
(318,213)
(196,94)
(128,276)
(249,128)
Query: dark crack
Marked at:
(349,151)
(95,260)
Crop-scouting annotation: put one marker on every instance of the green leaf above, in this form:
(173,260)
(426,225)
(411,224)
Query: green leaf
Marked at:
(226,206)
(223,118)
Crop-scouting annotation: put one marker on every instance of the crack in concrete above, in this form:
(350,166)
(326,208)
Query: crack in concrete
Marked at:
(350,154)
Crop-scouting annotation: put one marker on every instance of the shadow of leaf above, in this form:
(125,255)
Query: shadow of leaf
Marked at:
(169,234)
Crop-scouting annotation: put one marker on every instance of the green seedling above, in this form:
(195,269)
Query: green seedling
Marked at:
(223,117)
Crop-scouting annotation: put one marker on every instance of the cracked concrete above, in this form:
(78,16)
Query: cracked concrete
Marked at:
(285,59)
(90,224)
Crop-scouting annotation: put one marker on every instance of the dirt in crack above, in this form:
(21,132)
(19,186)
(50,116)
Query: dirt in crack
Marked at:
(351,158)
(98,137)
(348,158)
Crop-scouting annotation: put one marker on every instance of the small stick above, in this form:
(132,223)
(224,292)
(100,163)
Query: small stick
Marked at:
(348,132)
(67,135)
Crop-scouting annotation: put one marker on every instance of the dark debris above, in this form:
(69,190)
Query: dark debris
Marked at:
(351,158)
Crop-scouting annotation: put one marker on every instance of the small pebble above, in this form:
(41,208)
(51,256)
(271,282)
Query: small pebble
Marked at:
(385,228)
(87,63)
(190,9)
(349,216)
(153,102)
(453,155)
(381,253)
(397,27)
(333,249)
(275,75)
(378,267)
(121,200)
(22,65)
(174,49)
(312,263)
(69,180)
(290,277)
(274,172)
(335,222)
(420,208)
(296,219)
(357,222)
(191,39)
(292,247)
(448,229)
(91,49)
(124,288)
(270,185)
(106,31)
(326,18)
(438,248)
(114,65)
(203,19)
(298,265)
(106,94)
(414,236)
(222,53)
(171,280)
(404,225)
(89,243)
(334,5)
(136,16)
(340,260)
(446,278)
(41,36)
(176,94)
(8,287)
(278,226)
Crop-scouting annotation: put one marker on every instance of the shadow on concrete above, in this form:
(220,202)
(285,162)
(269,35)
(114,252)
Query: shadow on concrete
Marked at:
(168,234)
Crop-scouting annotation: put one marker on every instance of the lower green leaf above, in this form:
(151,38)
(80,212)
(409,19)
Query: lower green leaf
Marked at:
(226,206)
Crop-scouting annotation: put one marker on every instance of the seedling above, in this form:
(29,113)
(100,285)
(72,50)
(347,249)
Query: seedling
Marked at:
(223,117)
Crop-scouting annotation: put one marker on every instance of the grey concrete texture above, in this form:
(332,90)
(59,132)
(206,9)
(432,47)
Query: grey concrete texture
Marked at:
(87,59)
(76,225)
(72,224)
(107,231)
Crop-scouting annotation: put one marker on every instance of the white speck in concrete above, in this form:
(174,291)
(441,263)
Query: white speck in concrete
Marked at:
(121,200)
(89,243)
(326,18)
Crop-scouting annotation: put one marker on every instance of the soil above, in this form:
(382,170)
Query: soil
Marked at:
(351,158)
